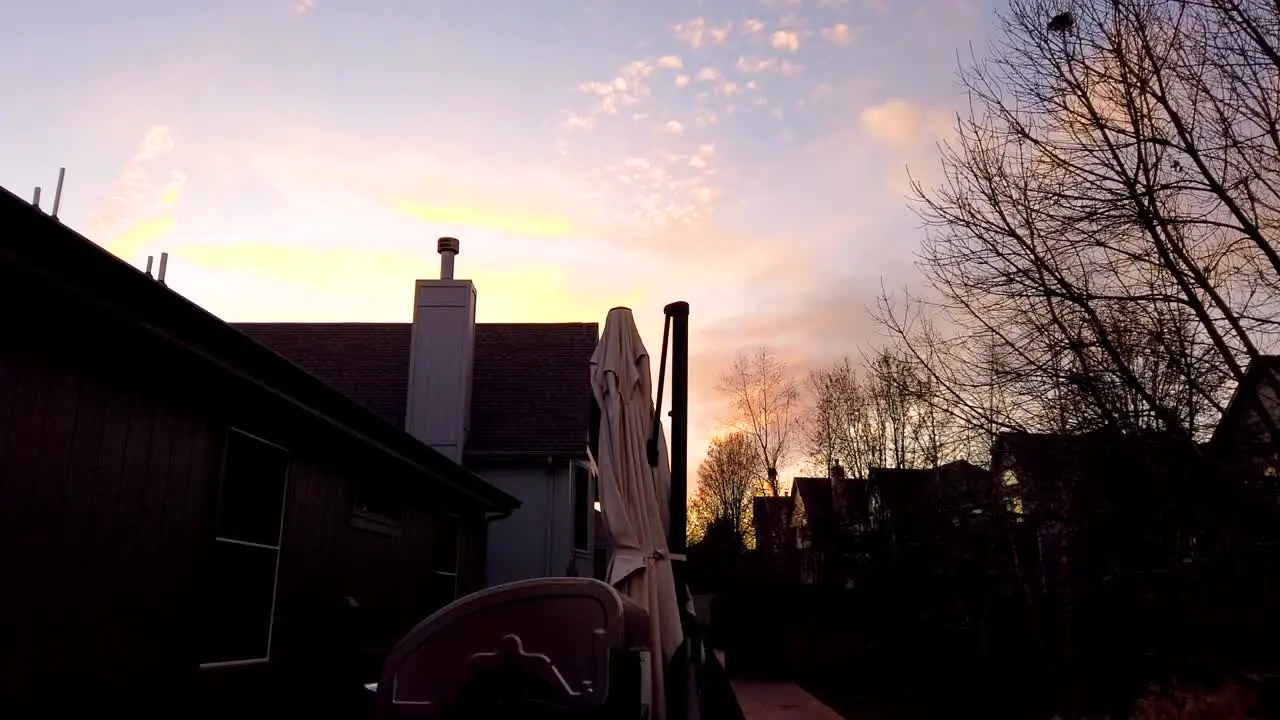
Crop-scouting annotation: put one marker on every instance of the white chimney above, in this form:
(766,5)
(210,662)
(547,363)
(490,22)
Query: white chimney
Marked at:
(438,411)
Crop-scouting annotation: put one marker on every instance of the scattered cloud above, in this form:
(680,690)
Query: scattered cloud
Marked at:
(708,74)
(674,127)
(682,80)
(751,27)
(786,40)
(702,157)
(838,34)
(909,133)
(627,89)
(138,211)
(665,190)
(902,124)
(304,6)
(576,121)
(764,65)
(789,68)
(690,31)
(756,65)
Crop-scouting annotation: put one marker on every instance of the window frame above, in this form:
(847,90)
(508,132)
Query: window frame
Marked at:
(215,539)
(1011,488)
(456,521)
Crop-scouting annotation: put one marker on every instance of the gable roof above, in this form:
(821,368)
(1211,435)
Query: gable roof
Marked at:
(530,388)
(815,493)
(831,501)
(51,258)
(1241,407)
(771,519)
(1055,471)
(913,493)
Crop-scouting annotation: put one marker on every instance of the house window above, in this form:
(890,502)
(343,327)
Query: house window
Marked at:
(377,504)
(240,581)
(582,506)
(1012,493)
(447,546)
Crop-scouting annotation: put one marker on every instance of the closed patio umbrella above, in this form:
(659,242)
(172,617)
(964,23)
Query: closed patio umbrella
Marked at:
(634,497)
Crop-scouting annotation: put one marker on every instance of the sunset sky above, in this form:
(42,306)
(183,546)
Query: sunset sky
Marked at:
(298,158)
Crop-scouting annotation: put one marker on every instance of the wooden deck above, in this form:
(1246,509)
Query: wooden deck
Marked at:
(765,700)
(770,700)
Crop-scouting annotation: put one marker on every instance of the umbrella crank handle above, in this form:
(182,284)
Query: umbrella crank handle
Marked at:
(651,446)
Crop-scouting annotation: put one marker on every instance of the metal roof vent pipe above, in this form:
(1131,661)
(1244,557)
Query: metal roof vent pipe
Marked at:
(448,248)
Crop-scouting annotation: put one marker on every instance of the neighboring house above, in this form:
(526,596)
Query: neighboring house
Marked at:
(935,524)
(910,499)
(1106,509)
(771,523)
(187,520)
(834,517)
(1246,437)
(825,511)
(511,402)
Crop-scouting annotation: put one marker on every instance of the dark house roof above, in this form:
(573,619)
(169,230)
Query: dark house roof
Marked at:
(1058,473)
(771,518)
(911,495)
(1231,427)
(826,509)
(815,493)
(56,259)
(530,387)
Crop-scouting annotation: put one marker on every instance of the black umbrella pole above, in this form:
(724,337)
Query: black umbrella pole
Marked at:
(678,313)
(680,693)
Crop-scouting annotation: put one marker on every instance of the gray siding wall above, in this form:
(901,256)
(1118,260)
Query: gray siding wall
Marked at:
(537,540)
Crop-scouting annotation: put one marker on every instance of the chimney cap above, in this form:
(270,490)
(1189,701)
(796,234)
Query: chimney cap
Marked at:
(448,245)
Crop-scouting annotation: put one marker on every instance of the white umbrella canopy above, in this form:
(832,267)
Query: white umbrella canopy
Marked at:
(634,497)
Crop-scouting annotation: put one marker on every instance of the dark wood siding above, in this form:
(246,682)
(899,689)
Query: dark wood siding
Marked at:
(324,560)
(108,475)
(97,534)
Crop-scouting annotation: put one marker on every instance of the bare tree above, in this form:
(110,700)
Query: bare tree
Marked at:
(728,479)
(843,426)
(829,427)
(766,404)
(889,415)
(1108,215)
(1101,251)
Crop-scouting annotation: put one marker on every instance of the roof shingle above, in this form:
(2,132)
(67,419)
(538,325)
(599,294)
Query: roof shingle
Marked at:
(530,387)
